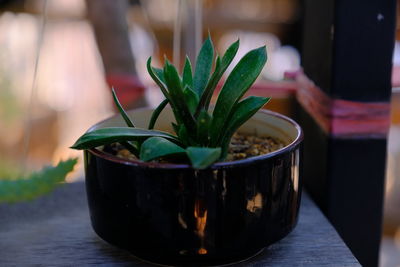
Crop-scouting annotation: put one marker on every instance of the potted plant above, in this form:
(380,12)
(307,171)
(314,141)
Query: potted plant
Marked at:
(170,196)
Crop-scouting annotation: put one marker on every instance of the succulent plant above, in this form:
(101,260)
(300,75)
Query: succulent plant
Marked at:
(202,135)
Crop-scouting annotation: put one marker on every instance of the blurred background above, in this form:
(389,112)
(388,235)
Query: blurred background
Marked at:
(53,83)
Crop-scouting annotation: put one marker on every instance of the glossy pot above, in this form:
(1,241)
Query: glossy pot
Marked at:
(175,215)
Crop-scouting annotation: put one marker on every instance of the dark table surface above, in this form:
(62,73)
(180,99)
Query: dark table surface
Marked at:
(55,230)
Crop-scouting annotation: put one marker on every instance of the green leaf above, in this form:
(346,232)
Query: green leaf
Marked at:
(110,135)
(191,99)
(180,107)
(161,84)
(156,147)
(239,81)
(230,53)
(220,68)
(212,83)
(187,76)
(172,79)
(35,184)
(203,128)
(154,75)
(203,67)
(183,135)
(159,73)
(227,58)
(187,138)
(202,157)
(156,113)
(121,109)
(241,112)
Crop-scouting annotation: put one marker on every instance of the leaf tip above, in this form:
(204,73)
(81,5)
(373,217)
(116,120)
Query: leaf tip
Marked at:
(187,60)
(75,146)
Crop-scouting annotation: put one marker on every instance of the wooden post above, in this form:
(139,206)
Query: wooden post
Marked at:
(347,53)
(111,29)
(108,19)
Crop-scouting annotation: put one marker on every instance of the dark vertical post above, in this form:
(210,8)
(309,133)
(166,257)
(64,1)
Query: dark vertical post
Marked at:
(347,52)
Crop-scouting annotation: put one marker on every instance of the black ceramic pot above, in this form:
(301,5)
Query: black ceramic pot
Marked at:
(174,215)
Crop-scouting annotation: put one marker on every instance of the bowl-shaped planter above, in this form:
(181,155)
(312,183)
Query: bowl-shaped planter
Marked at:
(175,215)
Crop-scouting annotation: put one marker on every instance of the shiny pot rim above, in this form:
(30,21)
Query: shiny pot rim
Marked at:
(229,164)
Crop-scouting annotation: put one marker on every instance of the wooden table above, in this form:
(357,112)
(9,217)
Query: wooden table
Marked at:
(55,230)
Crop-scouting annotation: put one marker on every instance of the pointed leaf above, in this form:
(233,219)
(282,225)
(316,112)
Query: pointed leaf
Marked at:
(159,73)
(172,78)
(230,53)
(117,134)
(212,83)
(180,107)
(203,67)
(191,98)
(220,68)
(156,147)
(202,157)
(162,86)
(121,109)
(187,76)
(239,81)
(156,113)
(156,79)
(241,112)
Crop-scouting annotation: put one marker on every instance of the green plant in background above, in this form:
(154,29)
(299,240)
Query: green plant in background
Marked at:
(36,184)
(15,186)
(202,135)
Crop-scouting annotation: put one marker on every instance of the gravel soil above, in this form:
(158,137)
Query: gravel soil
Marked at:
(246,146)
(242,146)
